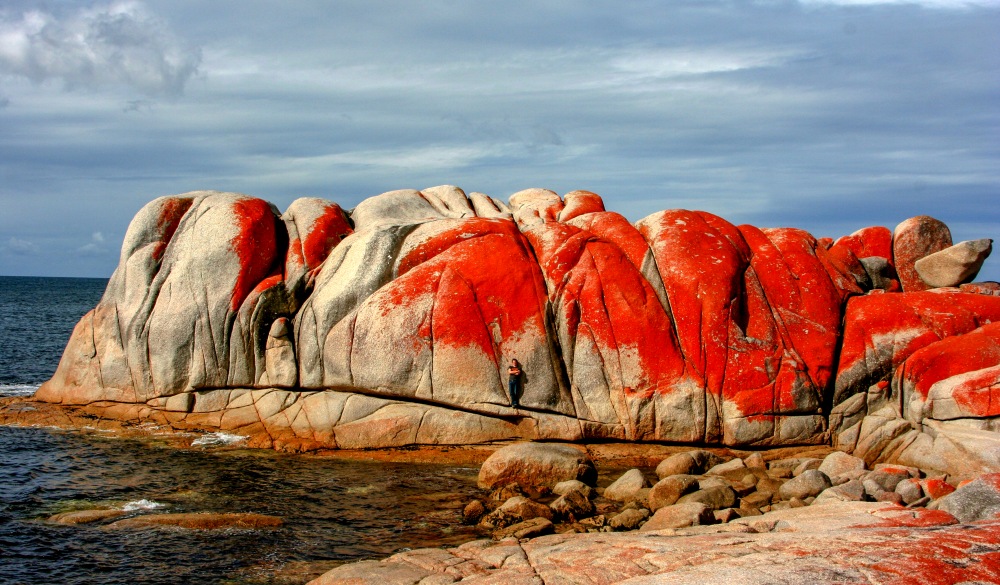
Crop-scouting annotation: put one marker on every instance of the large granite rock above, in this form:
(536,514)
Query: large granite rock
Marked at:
(392,325)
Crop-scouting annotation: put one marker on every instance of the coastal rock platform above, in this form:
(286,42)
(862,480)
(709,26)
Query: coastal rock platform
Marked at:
(846,542)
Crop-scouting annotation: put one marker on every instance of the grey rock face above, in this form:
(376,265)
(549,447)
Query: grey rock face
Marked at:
(954,265)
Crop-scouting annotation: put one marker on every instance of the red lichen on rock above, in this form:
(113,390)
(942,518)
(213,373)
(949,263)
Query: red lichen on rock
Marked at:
(881,331)
(255,245)
(171,212)
(975,355)
(324,234)
(480,277)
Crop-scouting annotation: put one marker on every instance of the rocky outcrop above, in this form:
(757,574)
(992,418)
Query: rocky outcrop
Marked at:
(392,325)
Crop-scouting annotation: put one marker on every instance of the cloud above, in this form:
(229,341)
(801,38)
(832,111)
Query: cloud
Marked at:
(120,43)
(95,247)
(939,4)
(21,247)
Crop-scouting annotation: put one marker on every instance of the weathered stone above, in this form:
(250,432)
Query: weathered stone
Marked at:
(535,464)
(954,265)
(810,483)
(679,516)
(626,487)
(936,488)
(527,529)
(755,461)
(840,463)
(629,519)
(716,498)
(688,463)
(849,491)
(669,489)
(473,511)
(976,500)
(574,504)
(564,487)
(909,490)
(912,240)
(806,465)
(515,510)
(729,467)
(726,515)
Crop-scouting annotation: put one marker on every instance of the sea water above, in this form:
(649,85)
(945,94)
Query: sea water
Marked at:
(334,511)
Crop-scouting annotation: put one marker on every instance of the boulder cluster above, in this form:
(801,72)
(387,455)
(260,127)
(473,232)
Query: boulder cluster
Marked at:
(392,324)
(537,488)
(709,520)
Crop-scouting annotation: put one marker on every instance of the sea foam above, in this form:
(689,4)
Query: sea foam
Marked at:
(17,389)
(142,505)
(217,439)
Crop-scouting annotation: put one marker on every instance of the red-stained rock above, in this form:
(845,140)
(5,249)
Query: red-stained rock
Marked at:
(957,377)
(393,324)
(874,241)
(884,330)
(935,487)
(912,240)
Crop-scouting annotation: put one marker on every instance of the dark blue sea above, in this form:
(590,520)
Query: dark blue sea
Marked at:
(334,510)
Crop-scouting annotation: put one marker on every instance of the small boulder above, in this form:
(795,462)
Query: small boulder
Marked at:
(733,466)
(755,461)
(573,485)
(936,488)
(527,529)
(670,489)
(913,239)
(909,490)
(850,491)
(840,463)
(716,498)
(727,515)
(891,497)
(688,463)
(976,500)
(536,464)
(806,464)
(515,510)
(629,519)
(573,505)
(810,483)
(955,265)
(679,516)
(889,476)
(473,511)
(626,487)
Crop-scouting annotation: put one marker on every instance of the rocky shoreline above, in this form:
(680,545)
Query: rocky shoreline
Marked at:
(709,520)
(678,515)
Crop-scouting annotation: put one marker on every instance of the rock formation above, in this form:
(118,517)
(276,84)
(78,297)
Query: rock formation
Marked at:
(392,325)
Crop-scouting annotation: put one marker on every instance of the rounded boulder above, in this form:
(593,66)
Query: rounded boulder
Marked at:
(536,464)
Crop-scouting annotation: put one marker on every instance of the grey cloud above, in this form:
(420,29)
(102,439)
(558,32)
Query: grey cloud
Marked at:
(21,247)
(120,43)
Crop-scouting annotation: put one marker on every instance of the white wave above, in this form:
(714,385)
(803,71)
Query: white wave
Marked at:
(142,505)
(217,439)
(18,389)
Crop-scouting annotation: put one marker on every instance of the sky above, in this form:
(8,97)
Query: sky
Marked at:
(826,115)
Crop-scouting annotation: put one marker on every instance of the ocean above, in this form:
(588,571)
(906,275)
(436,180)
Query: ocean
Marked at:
(334,511)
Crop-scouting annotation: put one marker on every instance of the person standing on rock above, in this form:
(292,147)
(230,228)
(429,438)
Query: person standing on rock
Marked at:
(514,383)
